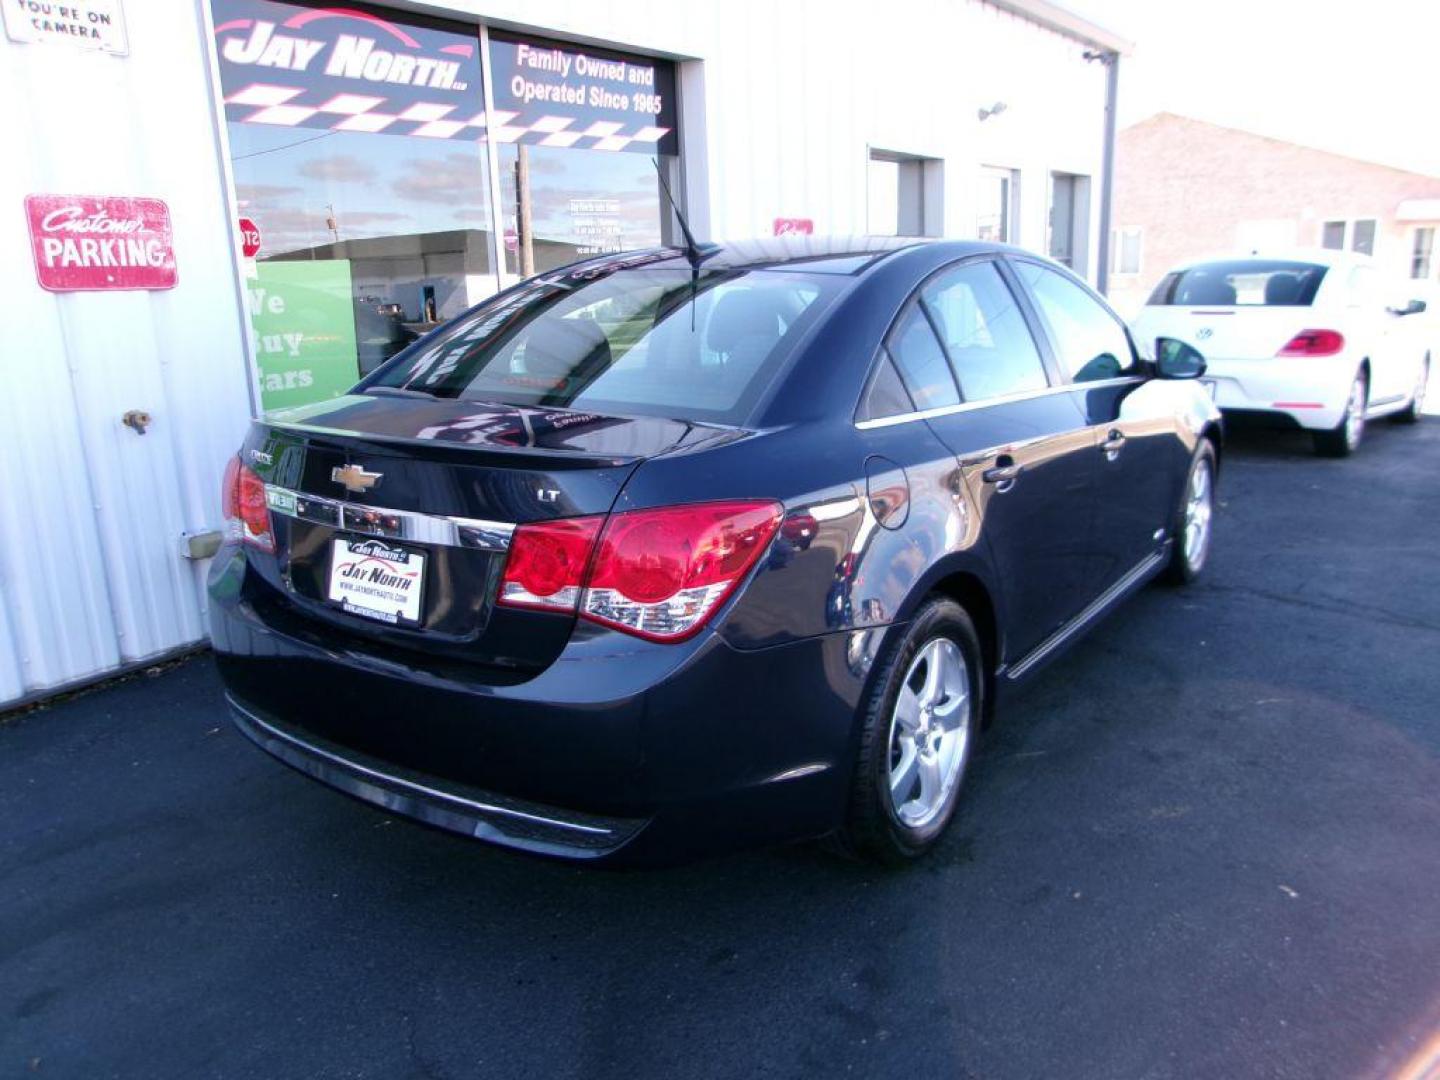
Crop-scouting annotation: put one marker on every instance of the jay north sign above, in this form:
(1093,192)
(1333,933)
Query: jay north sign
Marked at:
(348,69)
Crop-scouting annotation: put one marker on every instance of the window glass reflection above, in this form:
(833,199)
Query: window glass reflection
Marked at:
(560,205)
(357,154)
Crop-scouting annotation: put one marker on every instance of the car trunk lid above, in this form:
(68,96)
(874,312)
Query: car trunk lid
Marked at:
(378,485)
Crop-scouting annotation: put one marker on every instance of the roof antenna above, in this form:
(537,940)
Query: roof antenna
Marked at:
(693,251)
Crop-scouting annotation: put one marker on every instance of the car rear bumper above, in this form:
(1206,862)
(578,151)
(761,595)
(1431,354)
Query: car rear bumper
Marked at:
(620,750)
(1308,392)
(451,806)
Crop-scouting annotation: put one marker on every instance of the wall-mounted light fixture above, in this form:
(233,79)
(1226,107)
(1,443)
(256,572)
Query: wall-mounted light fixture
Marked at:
(993,110)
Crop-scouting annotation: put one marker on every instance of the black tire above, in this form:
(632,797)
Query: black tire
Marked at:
(1417,398)
(1340,441)
(1183,567)
(872,828)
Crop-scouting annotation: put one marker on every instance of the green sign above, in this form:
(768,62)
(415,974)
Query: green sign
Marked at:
(304,322)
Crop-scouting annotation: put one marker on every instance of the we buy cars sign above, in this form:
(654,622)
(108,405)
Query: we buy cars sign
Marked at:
(93,242)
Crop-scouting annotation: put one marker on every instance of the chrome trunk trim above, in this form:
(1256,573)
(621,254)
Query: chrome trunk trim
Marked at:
(419,528)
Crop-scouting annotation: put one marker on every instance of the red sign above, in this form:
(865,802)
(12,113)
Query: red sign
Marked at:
(249,238)
(88,242)
(794,226)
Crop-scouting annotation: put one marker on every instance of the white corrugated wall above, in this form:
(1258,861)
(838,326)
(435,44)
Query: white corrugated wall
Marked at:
(795,93)
(91,513)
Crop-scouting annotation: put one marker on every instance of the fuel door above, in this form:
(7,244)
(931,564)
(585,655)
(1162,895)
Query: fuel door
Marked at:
(887,491)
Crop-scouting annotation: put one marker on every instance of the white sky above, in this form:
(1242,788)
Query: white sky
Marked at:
(1357,77)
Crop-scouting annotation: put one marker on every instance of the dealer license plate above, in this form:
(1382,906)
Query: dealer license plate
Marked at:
(375,580)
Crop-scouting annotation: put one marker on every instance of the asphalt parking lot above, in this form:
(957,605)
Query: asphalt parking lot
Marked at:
(1208,844)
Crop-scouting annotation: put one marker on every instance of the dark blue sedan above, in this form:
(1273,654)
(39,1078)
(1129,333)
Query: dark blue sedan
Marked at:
(665,553)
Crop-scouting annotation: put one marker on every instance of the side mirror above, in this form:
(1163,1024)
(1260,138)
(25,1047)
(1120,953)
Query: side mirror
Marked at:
(1174,359)
(1414,307)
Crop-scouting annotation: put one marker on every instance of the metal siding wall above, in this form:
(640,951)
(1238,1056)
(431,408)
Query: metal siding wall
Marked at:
(797,91)
(91,513)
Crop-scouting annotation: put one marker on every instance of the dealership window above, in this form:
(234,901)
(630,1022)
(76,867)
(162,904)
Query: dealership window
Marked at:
(1362,237)
(1068,225)
(996,206)
(1420,255)
(360,151)
(576,175)
(1360,234)
(361,164)
(905,195)
(1125,251)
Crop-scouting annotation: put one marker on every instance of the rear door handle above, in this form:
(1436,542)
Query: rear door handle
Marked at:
(1002,474)
(1113,444)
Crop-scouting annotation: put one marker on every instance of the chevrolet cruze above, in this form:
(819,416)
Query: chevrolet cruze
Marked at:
(674,551)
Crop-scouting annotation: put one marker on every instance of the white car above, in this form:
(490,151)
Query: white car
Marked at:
(1315,340)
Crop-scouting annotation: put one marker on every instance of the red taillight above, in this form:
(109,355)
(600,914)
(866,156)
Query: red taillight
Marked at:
(658,574)
(546,565)
(243,503)
(1314,343)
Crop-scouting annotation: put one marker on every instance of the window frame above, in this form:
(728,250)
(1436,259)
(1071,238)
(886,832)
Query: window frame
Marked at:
(925,174)
(1054,376)
(887,345)
(883,360)
(1347,234)
(1138,366)
(1027,318)
(1426,258)
(1010,212)
(1117,251)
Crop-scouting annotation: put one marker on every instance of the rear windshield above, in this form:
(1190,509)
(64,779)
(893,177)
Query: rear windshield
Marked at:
(651,342)
(1242,283)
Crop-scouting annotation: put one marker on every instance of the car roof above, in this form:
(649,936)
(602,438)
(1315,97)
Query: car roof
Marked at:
(1319,256)
(847,255)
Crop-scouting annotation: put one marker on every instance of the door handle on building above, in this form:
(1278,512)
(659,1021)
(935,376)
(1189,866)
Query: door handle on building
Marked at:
(1113,444)
(136,420)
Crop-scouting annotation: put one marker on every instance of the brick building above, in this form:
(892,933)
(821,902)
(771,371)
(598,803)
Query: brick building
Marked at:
(1185,188)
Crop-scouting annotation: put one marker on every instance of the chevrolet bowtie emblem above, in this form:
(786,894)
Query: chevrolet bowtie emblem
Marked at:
(355,477)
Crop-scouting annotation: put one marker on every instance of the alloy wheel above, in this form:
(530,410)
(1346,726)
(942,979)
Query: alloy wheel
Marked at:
(930,733)
(1355,413)
(1199,509)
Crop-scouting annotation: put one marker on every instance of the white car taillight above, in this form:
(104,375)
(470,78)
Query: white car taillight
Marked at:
(1314,343)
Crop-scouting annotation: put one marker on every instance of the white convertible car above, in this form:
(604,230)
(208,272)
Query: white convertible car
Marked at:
(1315,340)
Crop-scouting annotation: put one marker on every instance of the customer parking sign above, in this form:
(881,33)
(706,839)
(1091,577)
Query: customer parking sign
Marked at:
(98,242)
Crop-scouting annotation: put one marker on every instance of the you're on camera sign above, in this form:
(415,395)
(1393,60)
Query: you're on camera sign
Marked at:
(88,24)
